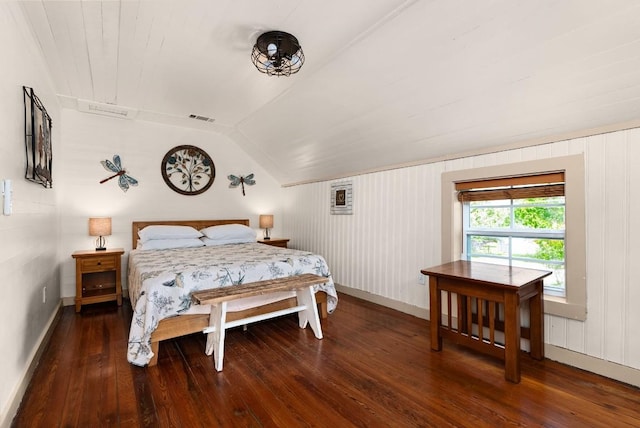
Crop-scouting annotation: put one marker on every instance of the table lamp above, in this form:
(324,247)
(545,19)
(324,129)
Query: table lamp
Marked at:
(266,223)
(100,227)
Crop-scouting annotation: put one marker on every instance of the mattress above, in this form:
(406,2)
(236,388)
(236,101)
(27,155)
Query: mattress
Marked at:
(161,281)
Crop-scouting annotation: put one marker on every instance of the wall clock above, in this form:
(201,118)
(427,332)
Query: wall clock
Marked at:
(188,170)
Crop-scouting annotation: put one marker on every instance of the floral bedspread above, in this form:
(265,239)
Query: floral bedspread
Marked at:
(161,281)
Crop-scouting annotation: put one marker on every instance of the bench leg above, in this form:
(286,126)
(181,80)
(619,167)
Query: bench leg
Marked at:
(215,338)
(307,297)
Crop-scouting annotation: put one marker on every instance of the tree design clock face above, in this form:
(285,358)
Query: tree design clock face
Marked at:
(188,170)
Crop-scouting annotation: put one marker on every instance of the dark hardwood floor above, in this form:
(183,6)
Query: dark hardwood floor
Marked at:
(373,368)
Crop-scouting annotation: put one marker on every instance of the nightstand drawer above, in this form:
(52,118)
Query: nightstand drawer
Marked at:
(98,264)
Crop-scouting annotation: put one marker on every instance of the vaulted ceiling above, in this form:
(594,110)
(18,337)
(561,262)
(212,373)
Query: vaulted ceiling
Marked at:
(385,82)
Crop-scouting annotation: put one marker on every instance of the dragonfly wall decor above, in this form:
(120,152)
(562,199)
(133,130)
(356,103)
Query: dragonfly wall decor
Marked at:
(241,181)
(124,180)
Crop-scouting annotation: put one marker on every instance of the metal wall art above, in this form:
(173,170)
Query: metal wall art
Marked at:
(242,180)
(37,137)
(188,170)
(124,179)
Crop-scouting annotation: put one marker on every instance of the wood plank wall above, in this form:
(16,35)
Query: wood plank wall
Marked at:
(395,230)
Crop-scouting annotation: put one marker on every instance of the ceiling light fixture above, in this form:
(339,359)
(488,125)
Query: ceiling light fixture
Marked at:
(277,53)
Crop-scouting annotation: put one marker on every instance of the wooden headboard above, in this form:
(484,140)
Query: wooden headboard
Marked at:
(198,224)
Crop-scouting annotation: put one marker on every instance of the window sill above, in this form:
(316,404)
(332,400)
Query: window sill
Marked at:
(560,307)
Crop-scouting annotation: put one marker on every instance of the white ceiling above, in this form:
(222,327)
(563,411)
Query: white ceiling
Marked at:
(385,82)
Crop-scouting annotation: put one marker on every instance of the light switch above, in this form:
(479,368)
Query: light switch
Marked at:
(7,193)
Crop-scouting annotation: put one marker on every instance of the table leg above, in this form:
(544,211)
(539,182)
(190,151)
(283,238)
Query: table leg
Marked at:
(536,309)
(512,337)
(435,308)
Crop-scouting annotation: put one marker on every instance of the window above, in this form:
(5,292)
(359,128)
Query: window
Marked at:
(518,221)
(509,238)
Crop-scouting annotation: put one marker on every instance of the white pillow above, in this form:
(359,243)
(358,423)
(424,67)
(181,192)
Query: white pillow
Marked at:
(212,242)
(168,232)
(163,244)
(230,231)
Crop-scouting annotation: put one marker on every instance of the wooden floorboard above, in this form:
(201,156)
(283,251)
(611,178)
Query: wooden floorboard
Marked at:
(374,367)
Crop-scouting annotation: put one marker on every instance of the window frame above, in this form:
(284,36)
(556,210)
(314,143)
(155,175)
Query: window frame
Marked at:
(573,305)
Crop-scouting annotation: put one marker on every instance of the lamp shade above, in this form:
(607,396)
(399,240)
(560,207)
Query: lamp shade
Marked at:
(100,226)
(266,221)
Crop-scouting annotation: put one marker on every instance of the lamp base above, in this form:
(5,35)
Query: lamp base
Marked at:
(100,243)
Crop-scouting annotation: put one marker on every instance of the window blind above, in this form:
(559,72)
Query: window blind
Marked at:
(521,187)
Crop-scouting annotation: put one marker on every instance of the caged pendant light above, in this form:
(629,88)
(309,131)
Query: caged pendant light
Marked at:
(277,53)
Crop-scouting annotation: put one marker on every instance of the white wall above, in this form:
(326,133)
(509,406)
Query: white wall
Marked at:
(29,237)
(90,138)
(395,231)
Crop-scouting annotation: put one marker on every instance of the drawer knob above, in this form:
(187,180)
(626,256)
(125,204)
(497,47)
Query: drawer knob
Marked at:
(99,263)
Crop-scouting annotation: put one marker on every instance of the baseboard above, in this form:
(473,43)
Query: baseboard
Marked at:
(595,365)
(591,364)
(16,397)
(385,301)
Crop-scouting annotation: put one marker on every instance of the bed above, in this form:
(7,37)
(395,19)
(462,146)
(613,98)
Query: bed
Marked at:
(161,281)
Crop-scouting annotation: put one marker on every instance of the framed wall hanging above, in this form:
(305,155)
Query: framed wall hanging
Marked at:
(342,198)
(37,138)
(188,170)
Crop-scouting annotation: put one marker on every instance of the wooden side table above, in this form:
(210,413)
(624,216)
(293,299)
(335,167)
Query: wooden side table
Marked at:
(275,242)
(480,288)
(98,276)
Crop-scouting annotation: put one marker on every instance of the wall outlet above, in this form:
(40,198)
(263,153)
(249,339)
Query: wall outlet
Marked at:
(422,279)
(44,294)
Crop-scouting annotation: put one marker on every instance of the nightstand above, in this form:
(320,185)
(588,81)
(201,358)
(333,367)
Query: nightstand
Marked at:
(98,276)
(275,242)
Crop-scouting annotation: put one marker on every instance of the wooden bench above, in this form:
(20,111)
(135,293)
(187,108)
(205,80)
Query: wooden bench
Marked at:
(219,297)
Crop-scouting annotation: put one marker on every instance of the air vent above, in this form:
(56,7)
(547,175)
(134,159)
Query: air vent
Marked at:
(202,118)
(106,109)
